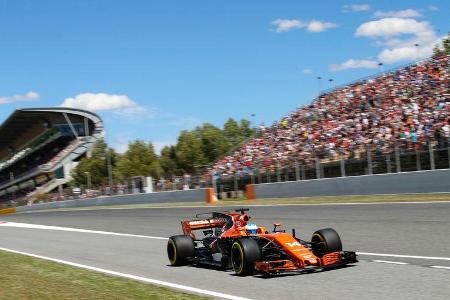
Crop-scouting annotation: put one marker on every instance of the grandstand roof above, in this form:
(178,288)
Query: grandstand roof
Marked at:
(22,119)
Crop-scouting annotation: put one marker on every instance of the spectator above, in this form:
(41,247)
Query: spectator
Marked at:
(407,108)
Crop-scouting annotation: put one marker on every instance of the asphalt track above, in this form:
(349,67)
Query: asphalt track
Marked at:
(420,229)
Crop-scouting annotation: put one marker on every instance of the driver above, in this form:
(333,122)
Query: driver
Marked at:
(251,229)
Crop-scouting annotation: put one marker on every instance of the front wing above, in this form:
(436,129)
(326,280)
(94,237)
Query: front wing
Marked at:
(329,261)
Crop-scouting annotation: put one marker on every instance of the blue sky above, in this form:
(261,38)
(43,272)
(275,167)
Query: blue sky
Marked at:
(153,68)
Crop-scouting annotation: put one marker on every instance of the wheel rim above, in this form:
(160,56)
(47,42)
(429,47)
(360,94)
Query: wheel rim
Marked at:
(237,258)
(318,238)
(171,252)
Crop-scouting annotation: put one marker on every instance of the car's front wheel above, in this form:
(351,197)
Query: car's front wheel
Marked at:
(179,249)
(325,241)
(244,254)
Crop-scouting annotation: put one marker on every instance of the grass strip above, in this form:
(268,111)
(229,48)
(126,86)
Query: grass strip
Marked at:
(23,277)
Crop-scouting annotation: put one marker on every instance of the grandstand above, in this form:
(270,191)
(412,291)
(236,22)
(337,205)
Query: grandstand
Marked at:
(406,110)
(39,147)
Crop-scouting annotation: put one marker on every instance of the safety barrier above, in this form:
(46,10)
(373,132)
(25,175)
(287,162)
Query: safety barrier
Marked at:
(433,181)
(187,196)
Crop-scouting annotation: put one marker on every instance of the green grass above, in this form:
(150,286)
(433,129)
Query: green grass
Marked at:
(23,277)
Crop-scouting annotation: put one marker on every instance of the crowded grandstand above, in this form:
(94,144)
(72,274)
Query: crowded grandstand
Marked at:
(406,109)
(39,147)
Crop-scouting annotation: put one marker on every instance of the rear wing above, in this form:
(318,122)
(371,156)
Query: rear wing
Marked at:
(189,226)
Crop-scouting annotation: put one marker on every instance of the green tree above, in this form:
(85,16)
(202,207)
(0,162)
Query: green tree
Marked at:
(444,48)
(246,130)
(189,151)
(168,160)
(232,132)
(213,141)
(95,165)
(236,133)
(139,160)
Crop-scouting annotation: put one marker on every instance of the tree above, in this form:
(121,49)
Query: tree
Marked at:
(444,48)
(139,160)
(213,142)
(168,160)
(95,165)
(236,133)
(246,130)
(189,151)
(232,132)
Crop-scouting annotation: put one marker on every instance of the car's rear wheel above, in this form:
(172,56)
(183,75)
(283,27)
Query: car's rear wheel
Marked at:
(244,254)
(179,249)
(325,241)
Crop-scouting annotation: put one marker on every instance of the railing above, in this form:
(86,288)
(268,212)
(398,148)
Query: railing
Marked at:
(61,155)
(365,163)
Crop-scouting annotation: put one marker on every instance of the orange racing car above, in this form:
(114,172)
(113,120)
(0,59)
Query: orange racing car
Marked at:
(228,240)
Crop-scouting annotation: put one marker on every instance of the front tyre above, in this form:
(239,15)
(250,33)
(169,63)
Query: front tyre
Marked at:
(179,249)
(244,254)
(325,241)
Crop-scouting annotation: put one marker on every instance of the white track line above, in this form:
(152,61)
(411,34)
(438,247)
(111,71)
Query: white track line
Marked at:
(133,277)
(58,228)
(405,256)
(440,267)
(390,262)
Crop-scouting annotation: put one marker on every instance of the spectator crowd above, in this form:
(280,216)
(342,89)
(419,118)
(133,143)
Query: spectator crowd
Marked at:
(408,109)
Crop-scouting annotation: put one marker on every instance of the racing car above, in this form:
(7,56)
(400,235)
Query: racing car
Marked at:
(227,240)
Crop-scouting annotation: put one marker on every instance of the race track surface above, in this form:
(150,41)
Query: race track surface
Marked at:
(421,229)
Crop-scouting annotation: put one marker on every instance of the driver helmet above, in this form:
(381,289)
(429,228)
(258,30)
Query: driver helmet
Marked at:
(251,228)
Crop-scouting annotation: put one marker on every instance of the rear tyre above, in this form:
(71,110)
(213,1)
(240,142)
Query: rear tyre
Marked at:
(244,254)
(325,241)
(179,249)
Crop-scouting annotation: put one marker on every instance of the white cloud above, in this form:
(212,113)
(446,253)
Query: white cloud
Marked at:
(407,13)
(389,27)
(433,8)
(356,7)
(307,71)
(284,25)
(403,39)
(120,104)
(408,52)
(30,96)
(318,26)
(355,64)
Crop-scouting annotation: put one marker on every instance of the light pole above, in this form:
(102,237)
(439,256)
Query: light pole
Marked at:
(319,81)
(88,180)
(380,64)
(331,81)
(109,166)
(417,50)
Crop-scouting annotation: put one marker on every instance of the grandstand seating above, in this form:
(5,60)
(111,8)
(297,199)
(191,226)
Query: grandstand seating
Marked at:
(39,147)
(407,109)
(31,162)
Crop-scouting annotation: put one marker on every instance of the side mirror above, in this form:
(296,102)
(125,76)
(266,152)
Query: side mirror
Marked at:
(277,227)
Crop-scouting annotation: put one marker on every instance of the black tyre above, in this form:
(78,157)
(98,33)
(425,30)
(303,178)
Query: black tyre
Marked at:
(179,249)
(244,254)
(326,241)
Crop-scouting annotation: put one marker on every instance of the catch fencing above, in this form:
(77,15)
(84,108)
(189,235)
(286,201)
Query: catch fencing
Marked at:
(369,162)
